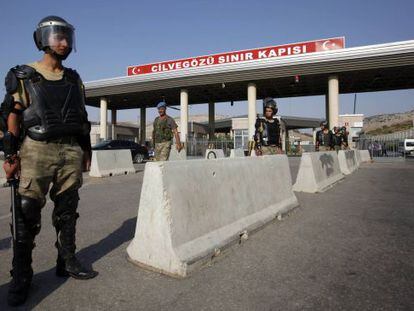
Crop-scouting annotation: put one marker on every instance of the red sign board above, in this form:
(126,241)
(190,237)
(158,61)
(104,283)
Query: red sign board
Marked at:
(240,56)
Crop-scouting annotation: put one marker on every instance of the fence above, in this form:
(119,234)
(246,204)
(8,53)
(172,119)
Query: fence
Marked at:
(198,147)
(391,137)
(387,145)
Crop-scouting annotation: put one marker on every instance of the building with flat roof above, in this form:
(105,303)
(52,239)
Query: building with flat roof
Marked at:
(321,67)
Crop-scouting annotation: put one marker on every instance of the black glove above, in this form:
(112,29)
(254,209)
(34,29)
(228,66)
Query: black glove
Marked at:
(10,145)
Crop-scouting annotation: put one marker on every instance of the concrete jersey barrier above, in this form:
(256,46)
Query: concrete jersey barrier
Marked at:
(236,153)
(177,156)
(317,171)
(363,156)
(189,210)
(111,162)
(3,179)
(347,161)
(214,153)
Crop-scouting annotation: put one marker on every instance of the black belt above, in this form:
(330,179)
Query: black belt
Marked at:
(63,140)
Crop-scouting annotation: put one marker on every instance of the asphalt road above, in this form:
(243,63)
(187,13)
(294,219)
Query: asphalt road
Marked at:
(349,248)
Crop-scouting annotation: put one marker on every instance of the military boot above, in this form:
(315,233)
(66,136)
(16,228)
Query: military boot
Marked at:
(64,220)
(22,272)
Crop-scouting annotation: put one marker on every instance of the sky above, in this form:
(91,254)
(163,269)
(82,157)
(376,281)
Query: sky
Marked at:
(111,35)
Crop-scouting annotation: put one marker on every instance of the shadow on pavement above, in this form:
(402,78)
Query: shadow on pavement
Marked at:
(46,282)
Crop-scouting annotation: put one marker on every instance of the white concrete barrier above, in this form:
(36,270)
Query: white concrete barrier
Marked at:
(111,162)
(190,210)
(3,179)
(363,156)
(236,153)
(347,161)
(177,156)
(214,153)
(317,171)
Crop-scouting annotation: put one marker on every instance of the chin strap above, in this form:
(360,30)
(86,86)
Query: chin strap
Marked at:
(56,55)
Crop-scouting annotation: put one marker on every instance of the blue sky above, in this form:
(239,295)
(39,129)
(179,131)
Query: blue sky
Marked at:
(110,35)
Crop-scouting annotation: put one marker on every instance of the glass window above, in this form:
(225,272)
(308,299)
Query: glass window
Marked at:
(241,139)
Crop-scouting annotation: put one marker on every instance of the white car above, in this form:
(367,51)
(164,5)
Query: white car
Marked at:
(406,147)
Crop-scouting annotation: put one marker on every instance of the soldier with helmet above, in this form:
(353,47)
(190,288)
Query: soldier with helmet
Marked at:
(344,134)
(45,109)
(324,138)
(267,134)
(337,138)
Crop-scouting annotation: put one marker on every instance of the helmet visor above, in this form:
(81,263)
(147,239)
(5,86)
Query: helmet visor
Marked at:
(57,37)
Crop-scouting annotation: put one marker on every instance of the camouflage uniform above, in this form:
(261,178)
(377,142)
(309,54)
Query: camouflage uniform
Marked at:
(58,161)
(163,135)
(271,150)
(324,140)
(324,148)
(267,136)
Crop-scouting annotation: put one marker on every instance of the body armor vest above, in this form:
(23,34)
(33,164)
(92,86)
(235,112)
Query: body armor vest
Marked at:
(337,139)
(57,108)
(262,132)
(325,138)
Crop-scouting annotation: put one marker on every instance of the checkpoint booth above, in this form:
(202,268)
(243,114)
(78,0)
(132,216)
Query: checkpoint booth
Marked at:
(319,67)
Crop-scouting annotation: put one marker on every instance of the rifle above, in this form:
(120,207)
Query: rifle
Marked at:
(251,147)
(255,144)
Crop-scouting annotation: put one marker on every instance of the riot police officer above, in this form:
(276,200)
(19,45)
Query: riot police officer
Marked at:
(267,133)
(46,108)
(324,138)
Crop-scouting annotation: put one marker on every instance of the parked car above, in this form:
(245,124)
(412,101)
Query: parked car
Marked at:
(151,154)
(139,153)
(406,147)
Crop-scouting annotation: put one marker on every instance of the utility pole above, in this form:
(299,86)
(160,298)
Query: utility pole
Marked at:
(355,99)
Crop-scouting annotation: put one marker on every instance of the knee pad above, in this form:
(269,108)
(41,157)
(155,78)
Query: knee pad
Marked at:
(67,200)
(66,205)
(31,212)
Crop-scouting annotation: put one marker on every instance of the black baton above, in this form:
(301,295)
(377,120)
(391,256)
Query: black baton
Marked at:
(13,186)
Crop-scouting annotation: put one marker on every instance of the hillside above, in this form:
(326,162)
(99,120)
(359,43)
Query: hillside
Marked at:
(388,123)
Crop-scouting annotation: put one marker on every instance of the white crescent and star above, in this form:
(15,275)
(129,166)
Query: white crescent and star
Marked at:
(135,70)
(332,45)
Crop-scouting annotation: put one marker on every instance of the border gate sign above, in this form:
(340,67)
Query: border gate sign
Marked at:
(241,56)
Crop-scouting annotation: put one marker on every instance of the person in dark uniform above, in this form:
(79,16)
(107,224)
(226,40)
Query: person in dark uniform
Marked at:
(324,138)
(267,134)
(46,106)
(344,134)
(337,138)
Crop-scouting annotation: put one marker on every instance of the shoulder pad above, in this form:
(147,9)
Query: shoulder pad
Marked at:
(11,82)
(72,74)
(23,71)
(19,72)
